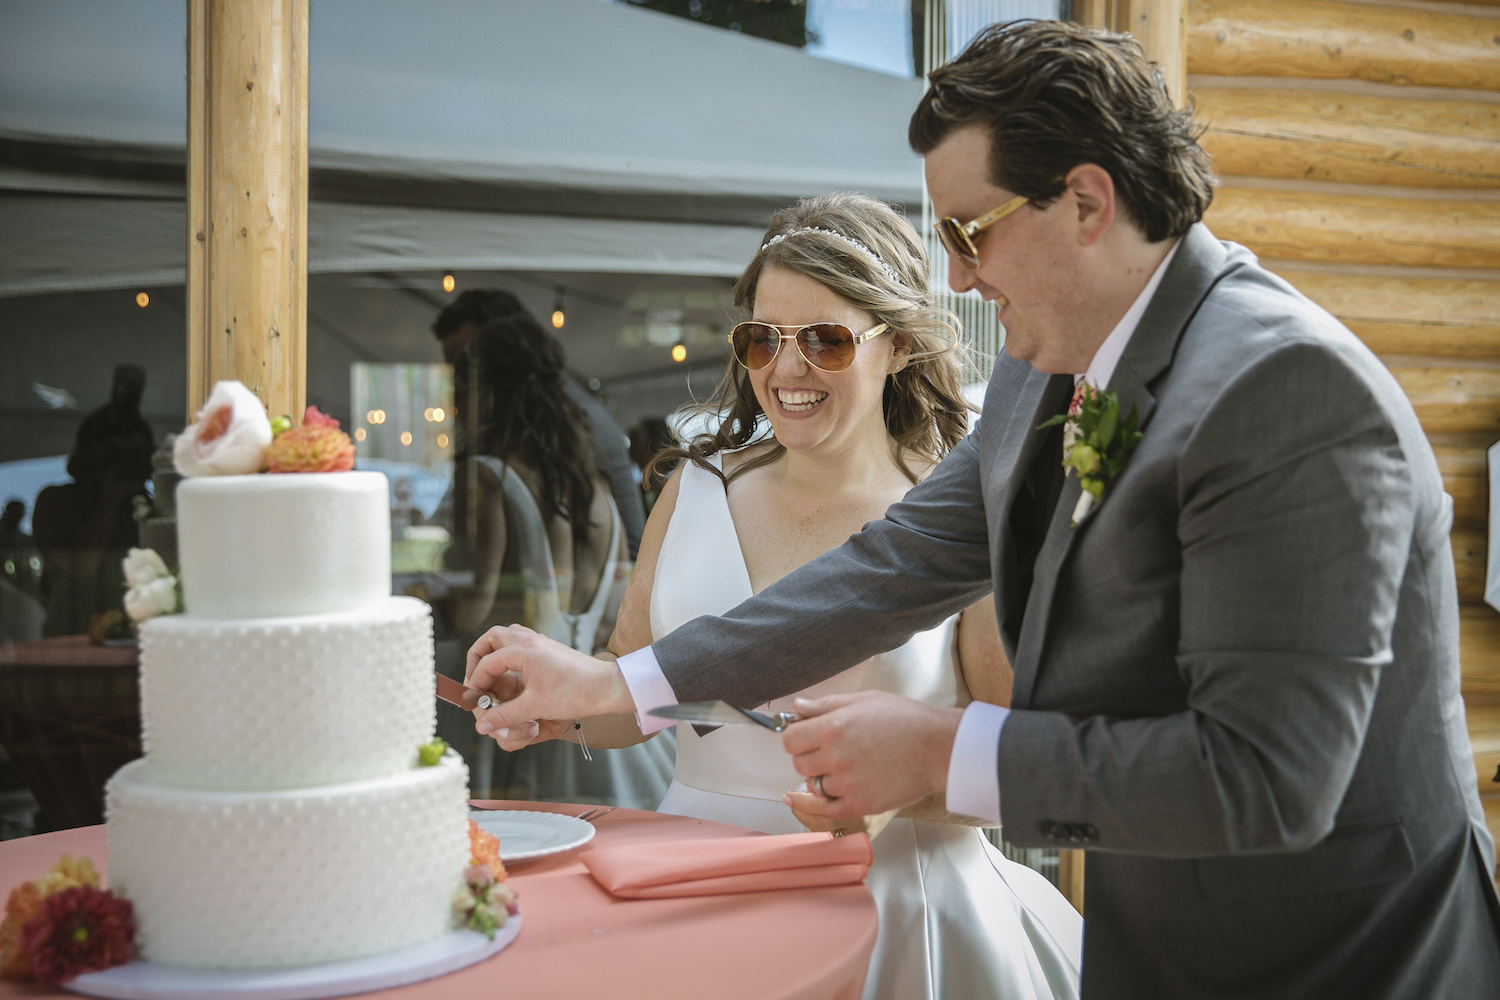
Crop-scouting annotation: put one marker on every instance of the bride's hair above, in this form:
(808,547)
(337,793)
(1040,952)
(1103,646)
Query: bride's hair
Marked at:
(868,253)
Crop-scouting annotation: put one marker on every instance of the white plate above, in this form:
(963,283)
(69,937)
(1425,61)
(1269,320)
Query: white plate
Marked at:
(142,980)
(525,835)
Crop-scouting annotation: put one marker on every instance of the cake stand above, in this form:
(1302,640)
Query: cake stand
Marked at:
(142,980)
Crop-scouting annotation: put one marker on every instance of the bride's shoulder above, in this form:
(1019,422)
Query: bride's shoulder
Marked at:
(730,461)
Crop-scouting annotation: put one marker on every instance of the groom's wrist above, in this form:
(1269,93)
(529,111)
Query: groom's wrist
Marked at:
(646,687)
(940,747)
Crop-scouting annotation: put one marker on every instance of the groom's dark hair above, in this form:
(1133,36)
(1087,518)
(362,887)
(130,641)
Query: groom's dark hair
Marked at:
(1053,95)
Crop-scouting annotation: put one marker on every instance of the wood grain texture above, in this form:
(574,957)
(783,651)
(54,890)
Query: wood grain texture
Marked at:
(1469,554)
(1327,39)
(1359,229)
(1350,138)
(1479,654)
(1070,876)
(1484,737)
(1466,478)
(247,199)
(1401,315)
(1452,397)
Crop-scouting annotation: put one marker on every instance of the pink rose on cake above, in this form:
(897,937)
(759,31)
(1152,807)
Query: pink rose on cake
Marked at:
(229,438)
(317,446)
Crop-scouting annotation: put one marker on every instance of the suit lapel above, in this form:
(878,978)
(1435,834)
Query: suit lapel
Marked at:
(1192,272)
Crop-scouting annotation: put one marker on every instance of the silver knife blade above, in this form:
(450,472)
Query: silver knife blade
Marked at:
(452,692)
(721,713)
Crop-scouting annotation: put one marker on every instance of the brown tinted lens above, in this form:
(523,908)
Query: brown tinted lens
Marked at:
(956,242)
(755,344)
(829,346)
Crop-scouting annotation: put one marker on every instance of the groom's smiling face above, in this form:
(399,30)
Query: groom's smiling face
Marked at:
(1028,261)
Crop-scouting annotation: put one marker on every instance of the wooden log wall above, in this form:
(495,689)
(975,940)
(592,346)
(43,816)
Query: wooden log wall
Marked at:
(1358,147)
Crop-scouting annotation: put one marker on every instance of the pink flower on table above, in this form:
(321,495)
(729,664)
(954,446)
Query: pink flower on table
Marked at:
(316,446)
(229,437)
(78,930)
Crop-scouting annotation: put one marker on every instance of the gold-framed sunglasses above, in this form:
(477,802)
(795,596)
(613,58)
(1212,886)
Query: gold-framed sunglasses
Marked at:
(958,237)
(828,347)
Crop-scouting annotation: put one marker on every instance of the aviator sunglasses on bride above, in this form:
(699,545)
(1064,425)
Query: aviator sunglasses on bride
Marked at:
(828,347)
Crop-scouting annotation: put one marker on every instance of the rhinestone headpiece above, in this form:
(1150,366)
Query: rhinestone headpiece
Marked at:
(890,272)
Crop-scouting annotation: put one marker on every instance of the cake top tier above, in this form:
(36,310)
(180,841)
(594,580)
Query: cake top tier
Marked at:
(264,546)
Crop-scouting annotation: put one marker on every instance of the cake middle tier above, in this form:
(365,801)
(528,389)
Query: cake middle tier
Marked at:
(268,703)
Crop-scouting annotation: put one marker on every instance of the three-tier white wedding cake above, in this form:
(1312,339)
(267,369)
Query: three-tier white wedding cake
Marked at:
(280,815)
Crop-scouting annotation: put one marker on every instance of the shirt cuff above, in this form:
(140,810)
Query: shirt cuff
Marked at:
(648,688)
(973,784)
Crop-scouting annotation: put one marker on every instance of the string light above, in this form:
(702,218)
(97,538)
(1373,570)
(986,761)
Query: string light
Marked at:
(142,299)
(406,437)
(448,283)
(558,319)
(442,440)
(679,353)
(359,433)
(375,417)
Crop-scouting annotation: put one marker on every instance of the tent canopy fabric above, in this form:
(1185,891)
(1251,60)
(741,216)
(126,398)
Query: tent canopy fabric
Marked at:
(567,135)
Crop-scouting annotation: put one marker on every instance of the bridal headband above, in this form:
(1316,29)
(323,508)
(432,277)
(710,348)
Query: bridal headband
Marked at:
(890,272)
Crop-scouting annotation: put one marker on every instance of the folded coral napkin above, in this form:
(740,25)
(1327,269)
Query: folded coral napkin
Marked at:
(665,868)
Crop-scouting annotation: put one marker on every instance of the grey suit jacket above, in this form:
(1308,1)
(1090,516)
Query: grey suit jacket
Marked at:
(1236,683)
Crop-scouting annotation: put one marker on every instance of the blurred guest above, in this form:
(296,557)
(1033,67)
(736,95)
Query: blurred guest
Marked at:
(21,610)
(456,325)
(84,528)
(648,438)
(534,522)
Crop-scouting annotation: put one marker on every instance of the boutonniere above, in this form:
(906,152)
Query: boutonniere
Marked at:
(1096,443)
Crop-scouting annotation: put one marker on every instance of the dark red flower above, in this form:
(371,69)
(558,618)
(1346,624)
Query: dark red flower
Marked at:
(79,930)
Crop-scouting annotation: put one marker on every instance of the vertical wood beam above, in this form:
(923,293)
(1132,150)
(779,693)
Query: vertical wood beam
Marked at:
(1159,25)
(247,199)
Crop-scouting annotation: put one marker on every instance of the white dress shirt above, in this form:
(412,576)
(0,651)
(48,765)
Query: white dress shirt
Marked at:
(973,789)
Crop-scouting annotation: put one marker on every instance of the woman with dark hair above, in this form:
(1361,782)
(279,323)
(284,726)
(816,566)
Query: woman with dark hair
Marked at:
(535,523)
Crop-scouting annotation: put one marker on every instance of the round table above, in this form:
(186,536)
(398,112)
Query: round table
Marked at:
(579,941)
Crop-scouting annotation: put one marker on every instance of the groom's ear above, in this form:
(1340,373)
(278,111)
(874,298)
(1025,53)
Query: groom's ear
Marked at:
(1093,192)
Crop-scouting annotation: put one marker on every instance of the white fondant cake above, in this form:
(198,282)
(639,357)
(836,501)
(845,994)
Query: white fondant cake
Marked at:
(279,816)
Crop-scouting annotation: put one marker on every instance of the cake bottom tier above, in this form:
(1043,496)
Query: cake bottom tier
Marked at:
(254,879)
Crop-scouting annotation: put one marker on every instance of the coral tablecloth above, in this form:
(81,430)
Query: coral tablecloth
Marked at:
(802,944)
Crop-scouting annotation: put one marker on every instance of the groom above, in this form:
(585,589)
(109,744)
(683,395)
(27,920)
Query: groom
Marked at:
(1236,677)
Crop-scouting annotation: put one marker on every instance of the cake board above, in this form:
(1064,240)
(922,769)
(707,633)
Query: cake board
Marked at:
(142,980)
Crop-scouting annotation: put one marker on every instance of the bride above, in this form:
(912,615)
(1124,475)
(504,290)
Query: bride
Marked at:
(856,372)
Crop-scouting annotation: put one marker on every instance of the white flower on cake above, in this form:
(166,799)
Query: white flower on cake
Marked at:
(142,566)
(159,597)
(229,438)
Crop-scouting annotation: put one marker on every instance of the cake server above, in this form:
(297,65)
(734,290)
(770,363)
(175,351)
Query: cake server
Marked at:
(719,713)
(452,692)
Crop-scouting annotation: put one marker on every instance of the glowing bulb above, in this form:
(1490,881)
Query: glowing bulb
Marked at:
(427,414)
(439,415)
(679,353)
(442,440)
(406,437)
(448,283)
(142,299)
(558,319)
(359,433)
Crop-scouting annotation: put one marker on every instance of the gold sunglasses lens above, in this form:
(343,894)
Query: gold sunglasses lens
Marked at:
(957,242)
(755,344)
(828,346)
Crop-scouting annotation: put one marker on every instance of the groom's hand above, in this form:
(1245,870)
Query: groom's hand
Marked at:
(874,751)
(544,686)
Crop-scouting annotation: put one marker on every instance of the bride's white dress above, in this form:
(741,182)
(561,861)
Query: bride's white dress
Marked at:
(957,919)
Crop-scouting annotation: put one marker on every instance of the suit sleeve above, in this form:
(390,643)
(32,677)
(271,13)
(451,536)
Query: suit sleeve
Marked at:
(1296,520)
(927,559)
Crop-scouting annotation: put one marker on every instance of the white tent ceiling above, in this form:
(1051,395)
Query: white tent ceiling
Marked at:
(566,136)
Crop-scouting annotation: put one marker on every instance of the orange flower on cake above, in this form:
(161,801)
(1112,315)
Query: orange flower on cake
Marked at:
(316,446)
(229,437)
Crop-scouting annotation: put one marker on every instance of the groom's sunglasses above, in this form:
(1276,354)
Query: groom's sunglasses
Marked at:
(958,237)
(827,347)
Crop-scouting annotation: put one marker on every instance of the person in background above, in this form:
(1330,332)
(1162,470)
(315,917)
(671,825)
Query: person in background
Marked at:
(647,439)
(85,527)
(455,327)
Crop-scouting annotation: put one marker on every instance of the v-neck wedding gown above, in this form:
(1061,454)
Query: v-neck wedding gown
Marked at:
(957,919)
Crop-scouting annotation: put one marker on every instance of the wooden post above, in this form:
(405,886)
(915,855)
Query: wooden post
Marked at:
(247,199)
(1159,25)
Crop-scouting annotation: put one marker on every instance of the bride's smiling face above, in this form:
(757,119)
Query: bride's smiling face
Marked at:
(810,408)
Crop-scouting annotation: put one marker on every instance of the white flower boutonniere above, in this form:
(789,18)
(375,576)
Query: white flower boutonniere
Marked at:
(1096,444)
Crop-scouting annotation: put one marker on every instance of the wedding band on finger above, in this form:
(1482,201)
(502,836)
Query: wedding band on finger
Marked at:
(818,784)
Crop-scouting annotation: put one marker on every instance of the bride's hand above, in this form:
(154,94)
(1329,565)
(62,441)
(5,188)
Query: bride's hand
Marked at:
(808,808)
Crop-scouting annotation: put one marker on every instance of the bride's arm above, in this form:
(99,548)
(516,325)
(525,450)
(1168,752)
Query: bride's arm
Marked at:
(633,624)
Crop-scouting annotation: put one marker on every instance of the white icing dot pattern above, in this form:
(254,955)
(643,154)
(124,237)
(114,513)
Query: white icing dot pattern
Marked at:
(247,879)
(287,702)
